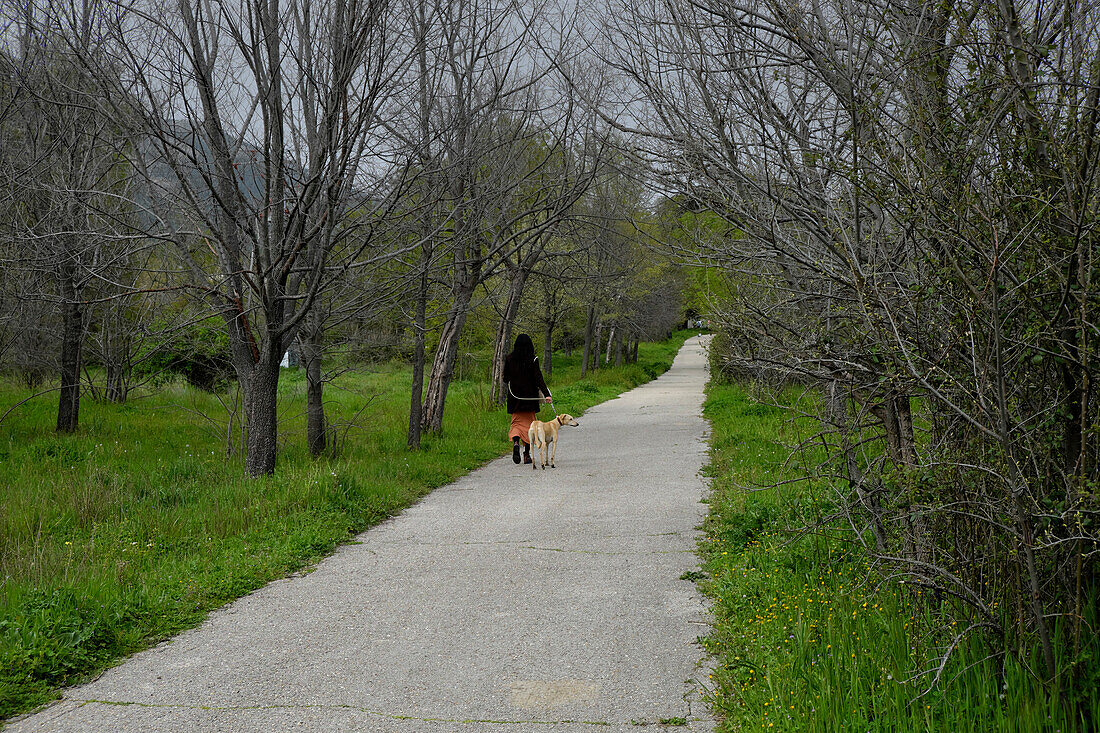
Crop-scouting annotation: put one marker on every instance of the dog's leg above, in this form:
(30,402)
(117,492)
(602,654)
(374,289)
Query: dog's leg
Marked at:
(555,453)
(532,445)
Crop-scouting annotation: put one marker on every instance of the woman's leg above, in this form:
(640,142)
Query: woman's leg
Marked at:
(519,431)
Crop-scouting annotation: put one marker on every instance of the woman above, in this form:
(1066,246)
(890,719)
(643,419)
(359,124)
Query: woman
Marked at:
(524,385)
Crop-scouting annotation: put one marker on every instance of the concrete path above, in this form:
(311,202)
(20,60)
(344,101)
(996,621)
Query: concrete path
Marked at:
(511,600)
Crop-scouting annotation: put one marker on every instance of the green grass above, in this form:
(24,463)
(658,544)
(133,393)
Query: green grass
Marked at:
(802,640)
(136,526)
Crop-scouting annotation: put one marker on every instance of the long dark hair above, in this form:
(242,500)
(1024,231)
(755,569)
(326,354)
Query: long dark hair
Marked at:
(523,351)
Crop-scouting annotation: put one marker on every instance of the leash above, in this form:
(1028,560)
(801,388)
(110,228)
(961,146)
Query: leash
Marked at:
(537,399)
(530,399)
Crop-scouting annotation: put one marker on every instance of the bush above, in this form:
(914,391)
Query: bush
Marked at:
(199,352)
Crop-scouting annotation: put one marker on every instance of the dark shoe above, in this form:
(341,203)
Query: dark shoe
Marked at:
(515,451)
(526,460)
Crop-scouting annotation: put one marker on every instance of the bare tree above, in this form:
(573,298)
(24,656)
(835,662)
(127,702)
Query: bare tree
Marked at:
(610,212)
(902,199)
(562,176)
(69,195)
(557,282)
(489,118)
(366,288)
(424,147)
(256,124)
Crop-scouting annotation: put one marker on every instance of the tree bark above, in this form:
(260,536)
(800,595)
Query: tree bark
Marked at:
(117,340)
(589,335)
(896,415)
(885,412)
(1073,378)
(416,404)
(310,352)
(443,364)
(1025,528)
(72,336)
(420,319)
(258,378)
(903,409)
(117,390)
(504,334)
(547,351)
(261,420)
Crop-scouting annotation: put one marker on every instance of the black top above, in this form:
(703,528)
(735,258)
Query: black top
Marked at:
(523,378)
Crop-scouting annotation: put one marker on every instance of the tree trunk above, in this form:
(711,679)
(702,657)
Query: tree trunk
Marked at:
(310,355)
(547,351)
(117,389)
(420,320)
(1025,528)
(257,379)
(416,404)
(904,411)
(618,348)
(261,417)
(836,406)
(504,335)
(896,415)
(634,355)
(117,347)
(231,443)
(884,411)
(610,340)
(72,335)
(443,365)
(589,335)
(1072,382)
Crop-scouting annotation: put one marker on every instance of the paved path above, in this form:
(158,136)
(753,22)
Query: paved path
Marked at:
(511,600)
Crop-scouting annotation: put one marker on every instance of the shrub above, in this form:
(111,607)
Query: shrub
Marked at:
(198,351)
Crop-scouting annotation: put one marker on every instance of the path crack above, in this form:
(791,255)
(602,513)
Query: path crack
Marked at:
(579,551)
(356,708)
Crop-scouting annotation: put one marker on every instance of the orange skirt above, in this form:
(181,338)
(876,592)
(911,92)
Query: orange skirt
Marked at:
(521,423)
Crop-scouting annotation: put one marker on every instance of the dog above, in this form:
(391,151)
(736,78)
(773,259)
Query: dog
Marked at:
(541,434)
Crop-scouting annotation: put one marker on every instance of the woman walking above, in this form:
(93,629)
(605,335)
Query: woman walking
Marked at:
(525,388)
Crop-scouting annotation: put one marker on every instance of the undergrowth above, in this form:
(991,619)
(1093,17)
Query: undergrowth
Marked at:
(805,635)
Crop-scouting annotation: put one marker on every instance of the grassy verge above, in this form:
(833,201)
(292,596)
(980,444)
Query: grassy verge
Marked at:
(802,639)
(135,527)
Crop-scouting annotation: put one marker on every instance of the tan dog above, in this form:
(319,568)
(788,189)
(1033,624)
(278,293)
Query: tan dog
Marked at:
(541,434)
